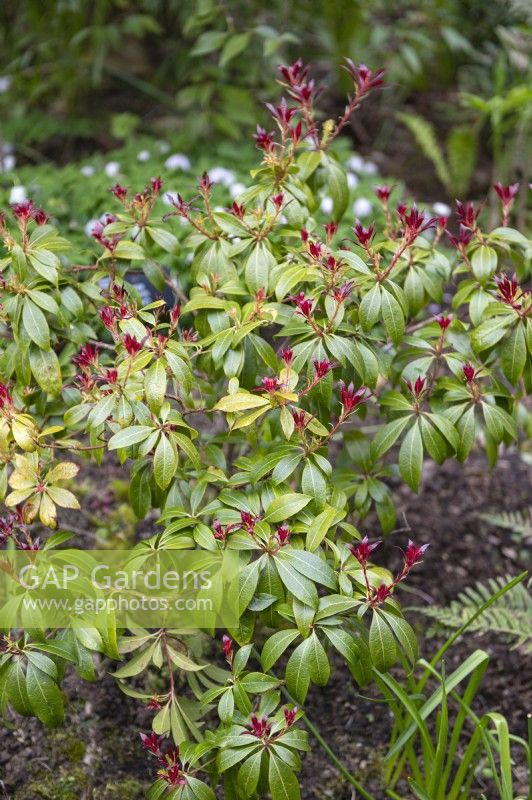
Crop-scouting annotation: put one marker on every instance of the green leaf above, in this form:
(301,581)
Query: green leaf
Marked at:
(249,773)
(16,688)
(166,240)
(296,583)
(285,506)
(484,263)
(140,492)
(257,268)
(35,324)
(513,354)
(313,483)
(233,47)
(240,401)
(382,645)
(318,663)
(129,436)
(297,672)
(155,385)
(387,436)
(411,458)
(392,314)
(164,462)
(310,565)
(45,369)
(337,187)
(248,579)
(44,696)
(344,643)
(275,646)
(318,528)
(370,308)
(283,783)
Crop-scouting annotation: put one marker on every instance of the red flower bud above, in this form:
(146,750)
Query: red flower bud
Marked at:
(290,715)
(175,313)
(330,230)
(443,321)
(259,728)
(131,344)
(413,554)
(300,419)
(381,594)
(351,398)
(227,644)
(248,521)
(23,211)
(120,192)
(383,193)
(506,193)
(152,742)
(467,214)
(40,216)
(304,305)
(363,550)
(287,355)
(156,185)
(283,533)
(364,235)
(322,368)
(469,372)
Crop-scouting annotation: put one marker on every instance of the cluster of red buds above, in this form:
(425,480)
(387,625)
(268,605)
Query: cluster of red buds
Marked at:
(415,223)
(26,211)
(260,728)
(467,215)
(14,527)
(509,291)
(461,241)
(304,306)
(301,420)
(363,551)
(270,385)
(171,769)
(98,233)
(507,195)
(91,370)
(351,397)
(141,203)
(248,521)
(221,532)
(122,307)
(322,368)
(364,235)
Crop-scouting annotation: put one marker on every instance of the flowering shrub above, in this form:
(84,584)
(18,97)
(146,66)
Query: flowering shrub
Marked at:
(262,412)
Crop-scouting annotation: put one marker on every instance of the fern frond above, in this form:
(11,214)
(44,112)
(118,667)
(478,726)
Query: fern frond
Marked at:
(517,521)
(426,138)
(510,616)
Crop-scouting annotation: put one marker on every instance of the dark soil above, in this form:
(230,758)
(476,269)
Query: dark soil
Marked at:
(97,755)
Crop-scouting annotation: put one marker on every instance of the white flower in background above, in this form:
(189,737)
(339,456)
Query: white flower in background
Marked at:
(283,220)
(362,207)
(7,162)
(112,169)
(236,188)
(90,225)
(222,175)
(164,147)
(326,205)
(17,194)
(169,198)
(5,83)
(356,163)
(369,168)
(177,161)
(442,209)
(87,170)
(144,155)
(218,208)
(352,180)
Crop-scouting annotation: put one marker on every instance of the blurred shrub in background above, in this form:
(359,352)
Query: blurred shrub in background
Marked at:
(86,76)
